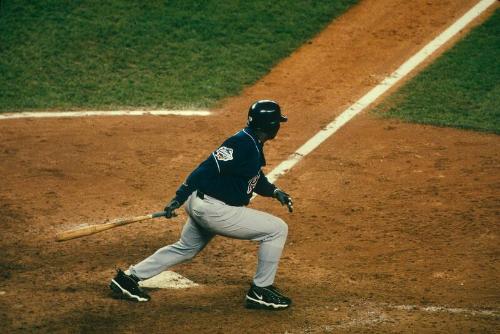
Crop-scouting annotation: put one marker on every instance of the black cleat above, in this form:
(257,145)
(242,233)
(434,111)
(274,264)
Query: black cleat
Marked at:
(267,297)
(127,286)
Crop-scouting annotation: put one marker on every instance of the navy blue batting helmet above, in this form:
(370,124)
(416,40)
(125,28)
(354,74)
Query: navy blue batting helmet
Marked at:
(265,115)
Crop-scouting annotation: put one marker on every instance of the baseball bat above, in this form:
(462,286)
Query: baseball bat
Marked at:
(92,229)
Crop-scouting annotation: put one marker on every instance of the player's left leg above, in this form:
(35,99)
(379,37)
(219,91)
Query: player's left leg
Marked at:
(193,239)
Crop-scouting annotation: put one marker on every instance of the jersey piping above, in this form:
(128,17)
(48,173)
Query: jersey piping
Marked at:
(254,142)
(218,167)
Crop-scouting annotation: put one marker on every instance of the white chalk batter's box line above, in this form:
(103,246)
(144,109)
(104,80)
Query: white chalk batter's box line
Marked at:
(64,114)
(368,314)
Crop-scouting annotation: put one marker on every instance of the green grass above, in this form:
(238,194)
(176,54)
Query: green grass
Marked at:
(461,89)
(57,54)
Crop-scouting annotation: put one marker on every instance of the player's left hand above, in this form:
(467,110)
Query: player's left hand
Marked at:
(283,198)
(171,207)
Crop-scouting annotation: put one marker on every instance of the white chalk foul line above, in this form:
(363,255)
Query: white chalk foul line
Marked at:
(58,114)
(380,89)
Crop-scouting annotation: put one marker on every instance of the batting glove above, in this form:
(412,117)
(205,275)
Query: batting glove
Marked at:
(171,207)
(283,198)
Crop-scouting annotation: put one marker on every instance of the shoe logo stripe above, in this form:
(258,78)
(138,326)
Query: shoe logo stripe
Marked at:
(256,295)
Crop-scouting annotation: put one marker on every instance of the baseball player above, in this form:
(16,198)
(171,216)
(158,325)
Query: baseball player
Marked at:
(216,194)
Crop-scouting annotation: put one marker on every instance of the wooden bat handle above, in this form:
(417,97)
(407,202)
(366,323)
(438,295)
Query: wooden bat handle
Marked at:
(92,229)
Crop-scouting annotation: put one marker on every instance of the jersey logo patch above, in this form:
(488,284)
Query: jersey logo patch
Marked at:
(224,153)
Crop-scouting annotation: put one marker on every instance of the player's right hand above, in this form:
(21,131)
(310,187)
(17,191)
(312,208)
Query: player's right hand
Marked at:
(171,207)
(283,198)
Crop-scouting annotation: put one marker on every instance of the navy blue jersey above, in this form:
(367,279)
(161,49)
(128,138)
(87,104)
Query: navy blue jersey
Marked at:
(232,172)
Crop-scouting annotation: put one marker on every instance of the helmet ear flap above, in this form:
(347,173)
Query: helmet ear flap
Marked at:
(272,131)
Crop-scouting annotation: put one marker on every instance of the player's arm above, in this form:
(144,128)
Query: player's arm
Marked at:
(267,189)
(205,169)
(224,160)
(264,187)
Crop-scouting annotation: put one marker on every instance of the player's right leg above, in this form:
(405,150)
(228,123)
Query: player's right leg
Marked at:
(249,224)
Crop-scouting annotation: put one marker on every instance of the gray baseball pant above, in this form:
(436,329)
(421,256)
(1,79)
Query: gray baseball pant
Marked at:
(209,217)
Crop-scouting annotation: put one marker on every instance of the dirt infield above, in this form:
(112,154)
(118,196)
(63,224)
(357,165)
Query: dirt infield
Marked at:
(395,226)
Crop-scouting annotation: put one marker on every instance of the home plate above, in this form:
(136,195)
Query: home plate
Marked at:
(167,280)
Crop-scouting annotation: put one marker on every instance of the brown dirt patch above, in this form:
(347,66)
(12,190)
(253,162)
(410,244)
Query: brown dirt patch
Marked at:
(387,214)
